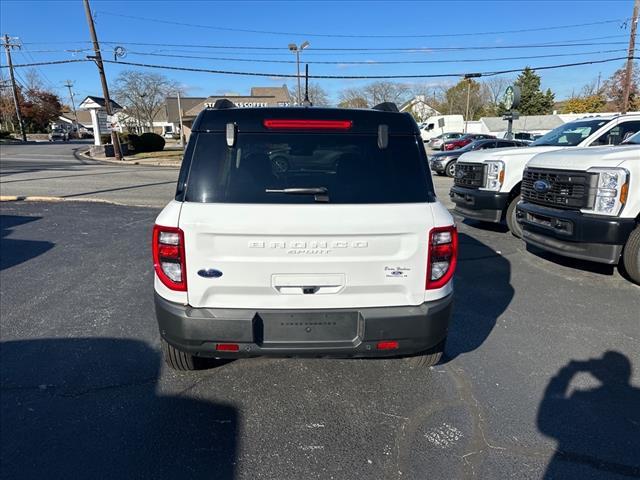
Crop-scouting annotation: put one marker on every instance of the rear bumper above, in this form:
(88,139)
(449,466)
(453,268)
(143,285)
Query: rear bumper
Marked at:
(198,330)
(479,204)
(574,234)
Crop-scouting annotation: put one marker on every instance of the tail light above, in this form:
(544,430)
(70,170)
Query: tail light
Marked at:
(168,257)
(289,124)
(442,256)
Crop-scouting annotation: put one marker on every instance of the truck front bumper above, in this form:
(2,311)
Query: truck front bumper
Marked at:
(315,333)
(574,234)
(479,204)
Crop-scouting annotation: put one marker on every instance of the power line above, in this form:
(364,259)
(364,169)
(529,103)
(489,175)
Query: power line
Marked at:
(373,62)
(53,62)
(359,77)
(333,35)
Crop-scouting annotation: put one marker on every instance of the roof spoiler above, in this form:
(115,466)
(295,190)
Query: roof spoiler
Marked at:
(223,104)
(386,107)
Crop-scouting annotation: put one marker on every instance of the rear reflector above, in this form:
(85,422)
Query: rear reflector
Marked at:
(442,256)
(285,124)
(387,345)
(168,257)
(227,347)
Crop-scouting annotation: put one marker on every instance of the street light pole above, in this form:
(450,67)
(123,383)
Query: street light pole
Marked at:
(295,48)
(298,67)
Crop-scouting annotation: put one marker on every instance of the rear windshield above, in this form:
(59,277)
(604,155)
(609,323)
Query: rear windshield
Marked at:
(346,168)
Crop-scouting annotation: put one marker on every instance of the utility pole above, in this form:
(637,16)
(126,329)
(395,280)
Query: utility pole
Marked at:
(73,103)
(468,77)
(105,88)
(8,46)
(180,118)
(632,44)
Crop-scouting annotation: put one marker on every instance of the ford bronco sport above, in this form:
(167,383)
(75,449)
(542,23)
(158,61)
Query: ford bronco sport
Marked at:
(303,232)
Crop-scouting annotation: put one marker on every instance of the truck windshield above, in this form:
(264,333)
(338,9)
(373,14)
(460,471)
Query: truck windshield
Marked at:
(268,167)
(570,134)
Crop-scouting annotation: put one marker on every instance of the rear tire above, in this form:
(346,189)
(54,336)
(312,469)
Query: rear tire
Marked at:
(428,358)
(177,359)
(631,256)
(512,222)
(450,169)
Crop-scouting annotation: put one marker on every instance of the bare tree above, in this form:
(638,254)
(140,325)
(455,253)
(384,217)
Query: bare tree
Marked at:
(143,96)
(492,90)
(378,92)
(353,98)
(317,95)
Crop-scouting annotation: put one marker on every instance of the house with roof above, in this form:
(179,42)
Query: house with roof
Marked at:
(101,123)
(419,108)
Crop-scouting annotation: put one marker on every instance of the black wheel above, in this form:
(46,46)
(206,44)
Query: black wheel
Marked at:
(512,223)
(631,256)
(427,359)
(177,359)
(450,169)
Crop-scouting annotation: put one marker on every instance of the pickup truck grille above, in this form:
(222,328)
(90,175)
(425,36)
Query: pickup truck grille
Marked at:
(470,175)
(558,188)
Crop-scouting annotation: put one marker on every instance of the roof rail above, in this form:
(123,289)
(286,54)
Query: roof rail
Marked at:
(223,104)
(386,107)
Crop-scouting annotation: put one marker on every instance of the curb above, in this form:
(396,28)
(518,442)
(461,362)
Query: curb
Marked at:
(130,162)
(36,198)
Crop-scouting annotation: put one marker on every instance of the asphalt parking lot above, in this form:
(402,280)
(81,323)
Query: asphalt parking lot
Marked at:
(536,381)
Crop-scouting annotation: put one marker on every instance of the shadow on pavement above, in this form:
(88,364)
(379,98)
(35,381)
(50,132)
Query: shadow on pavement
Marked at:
(483,292)
(584,265)
(597,428)
(89,408)
(489,226)
(14,251)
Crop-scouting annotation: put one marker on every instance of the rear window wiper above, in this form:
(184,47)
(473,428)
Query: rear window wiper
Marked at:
(321,194)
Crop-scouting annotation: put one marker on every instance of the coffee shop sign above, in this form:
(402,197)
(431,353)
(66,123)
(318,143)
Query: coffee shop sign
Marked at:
(249,104)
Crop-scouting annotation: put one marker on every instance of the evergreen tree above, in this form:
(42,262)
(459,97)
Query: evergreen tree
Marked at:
(533,101)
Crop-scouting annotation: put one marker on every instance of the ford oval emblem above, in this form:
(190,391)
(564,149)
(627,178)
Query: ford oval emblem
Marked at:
(210,273)
(460,173)
(541,186)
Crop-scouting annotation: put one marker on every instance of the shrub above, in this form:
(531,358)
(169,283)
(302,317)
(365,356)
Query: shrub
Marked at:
(5,134)
(151,142)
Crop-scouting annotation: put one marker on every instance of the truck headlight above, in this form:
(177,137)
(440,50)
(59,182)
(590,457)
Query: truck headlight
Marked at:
(611,191)
(495,175)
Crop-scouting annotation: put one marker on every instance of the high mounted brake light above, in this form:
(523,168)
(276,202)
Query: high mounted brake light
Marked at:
(442,256)
(286,124)
(168,257)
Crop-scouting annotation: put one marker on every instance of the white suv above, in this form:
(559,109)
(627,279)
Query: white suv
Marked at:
(303,231)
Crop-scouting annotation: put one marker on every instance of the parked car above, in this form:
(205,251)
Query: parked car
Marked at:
(444,163)
(351,257)
(465,140)
(58,134)
(487,185)
(585,203)
(436,143)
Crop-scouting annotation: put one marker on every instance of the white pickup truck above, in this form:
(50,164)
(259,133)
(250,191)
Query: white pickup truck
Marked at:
(487,183)
(585,203)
